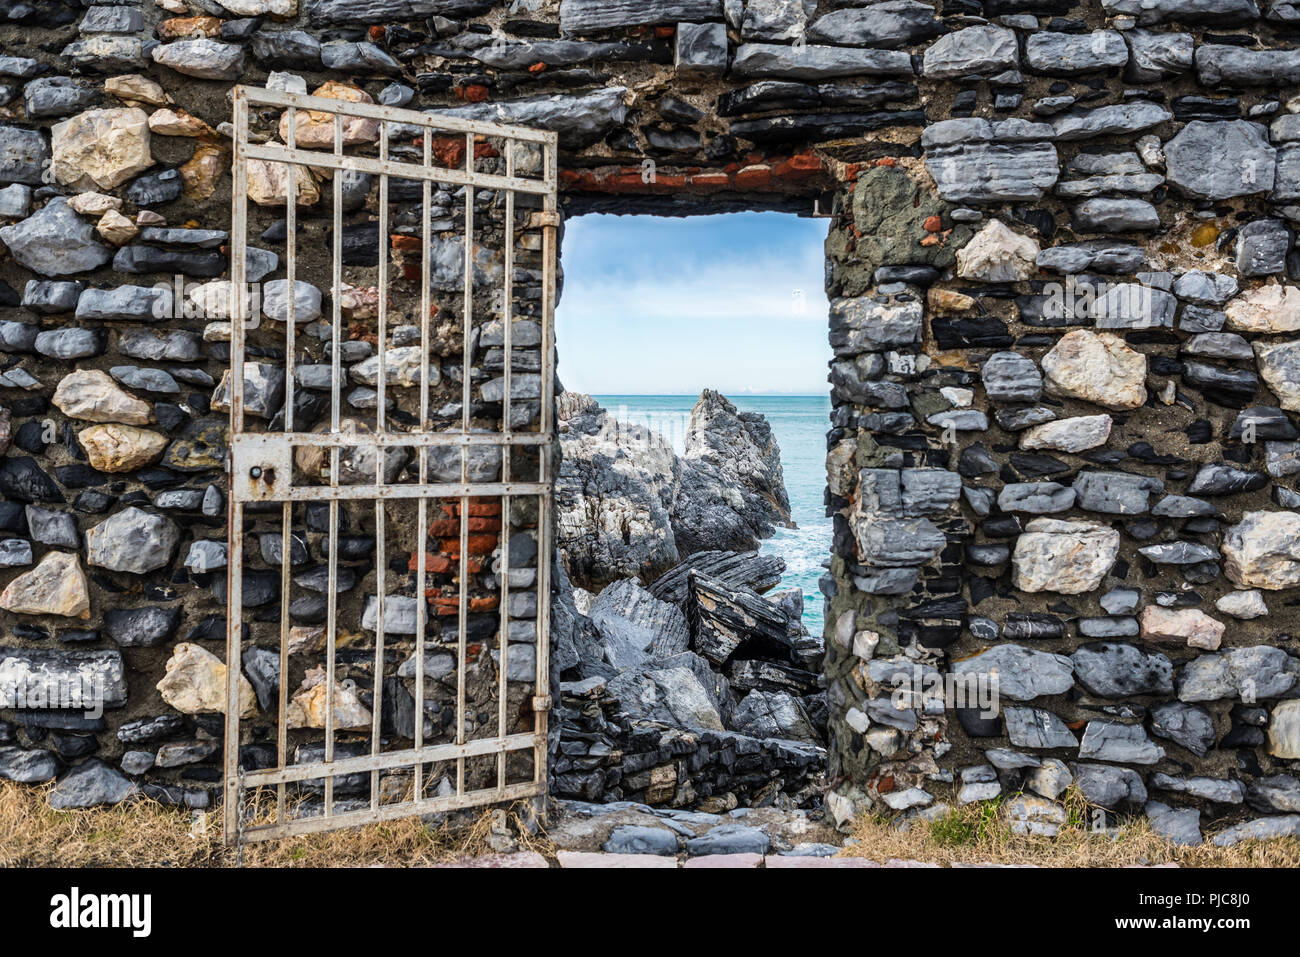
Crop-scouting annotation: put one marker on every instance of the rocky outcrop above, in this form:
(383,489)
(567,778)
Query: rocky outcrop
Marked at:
(614,495)
(732,491)
(627,505)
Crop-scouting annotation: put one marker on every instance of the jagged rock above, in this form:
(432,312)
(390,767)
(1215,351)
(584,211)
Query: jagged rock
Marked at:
(1098,368)
(1064,54)
(1120,118)
(121,448)
(634,626)
(101,148)
(725,620)
(745,569)
(1065,557)
(195,683)
(92,395)
(268,184)
(28,767)
(763,714)
(55,241)
(1029,814)
(1205,789)
(23,155)
(998,254)
(615,488)
(1011,377)
(668,695)
(890,210)
(1155,56)
(732,488)
(56,586)
(1263,828)
(1263,550)
(873,324)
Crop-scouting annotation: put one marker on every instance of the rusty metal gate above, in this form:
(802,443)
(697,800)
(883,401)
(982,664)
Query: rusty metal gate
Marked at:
(395,606)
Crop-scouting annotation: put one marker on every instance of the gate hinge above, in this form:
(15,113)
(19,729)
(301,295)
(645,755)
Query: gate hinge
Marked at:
(542,702)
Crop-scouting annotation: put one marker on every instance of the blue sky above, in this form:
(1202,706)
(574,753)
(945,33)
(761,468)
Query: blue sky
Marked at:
(654,305)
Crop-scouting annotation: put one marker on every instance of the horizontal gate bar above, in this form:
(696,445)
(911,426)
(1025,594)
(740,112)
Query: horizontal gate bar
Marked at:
(364,164)
(454,124)
(350,493)
(389,812)
(386,760)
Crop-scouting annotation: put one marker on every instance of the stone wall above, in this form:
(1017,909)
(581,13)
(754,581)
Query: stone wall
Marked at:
(1060,242)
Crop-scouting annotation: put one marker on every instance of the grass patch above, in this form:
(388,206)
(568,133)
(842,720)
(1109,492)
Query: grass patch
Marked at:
(145,833)
(980,833)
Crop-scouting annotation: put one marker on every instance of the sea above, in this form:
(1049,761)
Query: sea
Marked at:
(799,423)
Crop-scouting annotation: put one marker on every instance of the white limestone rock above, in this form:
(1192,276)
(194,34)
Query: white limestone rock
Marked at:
(1069,558)
(998,254)
(1098,368)
(1263,550)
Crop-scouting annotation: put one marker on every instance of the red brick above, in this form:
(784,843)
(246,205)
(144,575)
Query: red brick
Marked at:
(754,176)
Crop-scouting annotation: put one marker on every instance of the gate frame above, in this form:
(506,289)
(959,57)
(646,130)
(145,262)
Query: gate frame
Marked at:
(260,465)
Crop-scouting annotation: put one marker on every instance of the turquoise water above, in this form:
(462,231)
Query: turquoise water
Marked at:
(799,423)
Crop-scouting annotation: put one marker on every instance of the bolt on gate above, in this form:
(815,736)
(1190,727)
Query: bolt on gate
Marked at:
(391,464)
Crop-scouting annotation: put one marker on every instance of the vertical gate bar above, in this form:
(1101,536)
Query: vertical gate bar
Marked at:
(422,519)
(336,288)
(235,512)
(467,328)
(381,460)
(291,274)
(507,319)
(546,466)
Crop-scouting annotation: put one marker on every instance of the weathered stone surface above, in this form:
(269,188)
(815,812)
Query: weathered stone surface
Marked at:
(55,241)
(1265,309)
(195,683)
(1069,435)
(1022,673)
(998,254)
(1193,159)
(92,395)
(973,160)
(101,148)
(1121,118)
(1107,740)
(23,155)
(1098,368)
(1279,366)
(203,58)
(984,49)
(1119,670)
(1188,725)
(132,540)
(634,626)
(1190,626)
(587,16)
(1260,671)
(1037,728)
(56,586)
(1263,550)
(90,784)
(1284,731)
(121,448)
(309,706)
(816,62)
(314,130)
(1065,557)
(1064,54)
(579,120)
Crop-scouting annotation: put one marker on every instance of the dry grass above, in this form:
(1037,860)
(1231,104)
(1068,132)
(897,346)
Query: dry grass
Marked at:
(147,834)
(980,833)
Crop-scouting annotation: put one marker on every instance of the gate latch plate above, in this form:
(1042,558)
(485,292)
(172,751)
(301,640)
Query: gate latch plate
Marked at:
(261,467)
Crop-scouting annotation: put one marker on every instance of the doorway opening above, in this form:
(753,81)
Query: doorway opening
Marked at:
(691,524)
